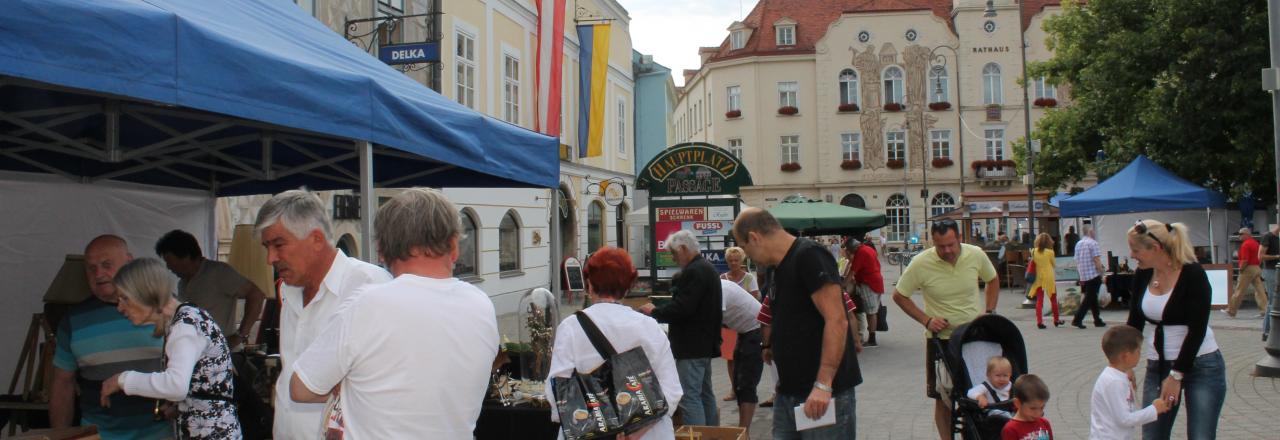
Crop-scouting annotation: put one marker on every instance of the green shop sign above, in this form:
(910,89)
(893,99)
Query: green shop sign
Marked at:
(692,169)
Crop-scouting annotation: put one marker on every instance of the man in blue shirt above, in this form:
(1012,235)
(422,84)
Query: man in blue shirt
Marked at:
(94,342)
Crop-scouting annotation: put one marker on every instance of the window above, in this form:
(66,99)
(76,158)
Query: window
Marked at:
(465,75)
(942,202)
(992,92)
(853,201)
(790,149)
(940,143)
(737,40)
(735,98)
(595,227)
(735,147)
(786,35)
(620,225)
(896,145)
(787,93)
(511,89)
(467,251)
(898,211)
(622,127)
(396,4)
(995,143)
(1045,90)
(509,242)
(850,146)
(848,87)
(893,85)
(938,84)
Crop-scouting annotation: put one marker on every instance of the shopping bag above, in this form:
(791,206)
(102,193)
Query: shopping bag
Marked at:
(583,404)
(1031,272)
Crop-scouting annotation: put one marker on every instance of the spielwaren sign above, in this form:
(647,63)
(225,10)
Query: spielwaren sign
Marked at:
(694,168)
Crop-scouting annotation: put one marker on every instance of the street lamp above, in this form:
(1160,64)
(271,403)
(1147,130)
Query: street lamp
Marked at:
(990,11)
(938,70)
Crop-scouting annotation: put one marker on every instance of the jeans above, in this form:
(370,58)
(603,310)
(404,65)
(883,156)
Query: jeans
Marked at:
(843,403)
(1204,389)
(699,402)
(1268,280)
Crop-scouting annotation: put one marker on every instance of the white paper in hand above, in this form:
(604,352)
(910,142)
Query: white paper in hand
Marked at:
(828,418)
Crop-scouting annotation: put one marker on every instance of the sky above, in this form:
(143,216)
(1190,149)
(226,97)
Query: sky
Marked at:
(673,30)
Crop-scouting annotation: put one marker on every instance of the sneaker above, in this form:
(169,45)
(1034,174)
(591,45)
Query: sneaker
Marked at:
(1260,315)
(1078,325)
(1099,324)
(870,344)
(1232,315)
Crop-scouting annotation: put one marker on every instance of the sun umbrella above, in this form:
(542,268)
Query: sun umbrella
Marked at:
(812,217)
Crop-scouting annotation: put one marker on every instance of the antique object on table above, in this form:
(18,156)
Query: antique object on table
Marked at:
(539,314)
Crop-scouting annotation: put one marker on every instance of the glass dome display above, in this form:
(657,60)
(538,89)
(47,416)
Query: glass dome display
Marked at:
(539,315)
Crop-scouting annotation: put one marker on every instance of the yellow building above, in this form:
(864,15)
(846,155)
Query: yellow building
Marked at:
(870,103)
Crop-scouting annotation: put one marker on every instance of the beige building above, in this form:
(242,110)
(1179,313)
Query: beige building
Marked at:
(869,103)
(488,58)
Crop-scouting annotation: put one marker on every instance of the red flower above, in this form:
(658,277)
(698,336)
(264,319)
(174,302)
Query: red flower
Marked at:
(790,166)
(788,110)
(893,107)
(1045,102)
(896,164)
(851,164)
(942,162)
(733,114)
(939,106)
(850,107)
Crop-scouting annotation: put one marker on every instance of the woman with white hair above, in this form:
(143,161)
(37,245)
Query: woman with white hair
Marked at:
(197,362)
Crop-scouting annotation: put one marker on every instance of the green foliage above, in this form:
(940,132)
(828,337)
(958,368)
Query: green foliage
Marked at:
(1177,80)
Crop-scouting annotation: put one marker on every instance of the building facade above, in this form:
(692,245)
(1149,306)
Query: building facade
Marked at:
(897,106)
(488,62)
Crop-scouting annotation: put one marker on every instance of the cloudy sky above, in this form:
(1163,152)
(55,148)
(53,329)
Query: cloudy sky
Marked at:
(672,30)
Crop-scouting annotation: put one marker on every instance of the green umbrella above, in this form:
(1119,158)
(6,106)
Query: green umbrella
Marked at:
(811,217)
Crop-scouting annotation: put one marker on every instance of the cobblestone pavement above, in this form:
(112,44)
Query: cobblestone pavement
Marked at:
(891,402)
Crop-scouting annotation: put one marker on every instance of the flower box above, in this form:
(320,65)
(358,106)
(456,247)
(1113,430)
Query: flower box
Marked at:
(790,167)
(733,114)
(939,106)
(1006,163)
(896,164)
(850,107)
(980,164)
(893,107)
(851,164)
(788,110)
(942,162)
(1045,102)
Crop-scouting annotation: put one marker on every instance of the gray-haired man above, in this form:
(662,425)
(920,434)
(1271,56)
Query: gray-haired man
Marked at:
(294,227)
(694,315)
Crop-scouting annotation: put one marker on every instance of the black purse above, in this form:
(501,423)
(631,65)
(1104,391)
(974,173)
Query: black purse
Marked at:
(622,395)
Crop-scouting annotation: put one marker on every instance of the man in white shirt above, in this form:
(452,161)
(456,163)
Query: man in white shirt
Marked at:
(294,227)
(740,311)
(412,355)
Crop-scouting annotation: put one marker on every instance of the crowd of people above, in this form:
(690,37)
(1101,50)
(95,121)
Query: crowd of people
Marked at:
(361,345)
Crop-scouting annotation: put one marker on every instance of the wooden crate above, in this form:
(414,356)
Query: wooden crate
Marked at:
(692,432)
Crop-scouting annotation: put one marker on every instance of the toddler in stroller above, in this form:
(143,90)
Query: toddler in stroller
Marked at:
(987,351)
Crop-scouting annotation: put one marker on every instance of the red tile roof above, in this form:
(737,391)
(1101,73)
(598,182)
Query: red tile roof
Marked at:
(812,18)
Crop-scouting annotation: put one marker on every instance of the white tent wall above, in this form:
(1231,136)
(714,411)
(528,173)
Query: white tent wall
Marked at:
(1111,229)
(47,217)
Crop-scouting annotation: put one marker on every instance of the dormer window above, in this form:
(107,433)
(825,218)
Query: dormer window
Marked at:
(784,31)
(737,39)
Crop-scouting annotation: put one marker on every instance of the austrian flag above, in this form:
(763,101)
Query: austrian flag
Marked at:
(550,65)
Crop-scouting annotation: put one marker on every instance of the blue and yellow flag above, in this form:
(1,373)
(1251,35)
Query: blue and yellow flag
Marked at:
(593,67)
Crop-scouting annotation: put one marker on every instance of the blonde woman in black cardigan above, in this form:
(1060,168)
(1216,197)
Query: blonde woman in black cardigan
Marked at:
(1171,308)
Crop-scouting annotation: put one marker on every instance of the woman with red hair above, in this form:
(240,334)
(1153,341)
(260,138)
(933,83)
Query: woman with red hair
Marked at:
(609,274)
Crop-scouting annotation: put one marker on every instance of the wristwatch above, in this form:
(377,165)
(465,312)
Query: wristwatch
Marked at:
(1176,375)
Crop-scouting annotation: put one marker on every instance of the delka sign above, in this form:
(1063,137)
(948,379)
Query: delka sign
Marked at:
(409,53)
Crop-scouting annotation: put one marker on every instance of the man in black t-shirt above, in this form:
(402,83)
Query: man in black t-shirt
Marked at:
(1269,253)
(816,361)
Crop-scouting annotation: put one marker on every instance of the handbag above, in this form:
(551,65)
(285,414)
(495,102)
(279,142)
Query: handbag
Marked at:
(622,395)
(1031,272)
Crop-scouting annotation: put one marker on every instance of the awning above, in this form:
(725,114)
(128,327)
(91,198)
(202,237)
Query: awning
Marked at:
(234,97)
(1141,186)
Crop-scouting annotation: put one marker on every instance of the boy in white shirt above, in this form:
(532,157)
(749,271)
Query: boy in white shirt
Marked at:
(1112,415)
(996,388)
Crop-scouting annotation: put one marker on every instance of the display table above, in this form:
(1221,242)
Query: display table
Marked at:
(1120,286)
(507,422)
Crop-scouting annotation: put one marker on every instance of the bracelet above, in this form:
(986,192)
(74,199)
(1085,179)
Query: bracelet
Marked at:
(822,386)
(927,321)
(765,346)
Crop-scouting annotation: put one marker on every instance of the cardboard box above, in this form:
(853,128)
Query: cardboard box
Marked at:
(692,432)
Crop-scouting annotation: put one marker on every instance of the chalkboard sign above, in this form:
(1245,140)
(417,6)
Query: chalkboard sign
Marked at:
(573,273)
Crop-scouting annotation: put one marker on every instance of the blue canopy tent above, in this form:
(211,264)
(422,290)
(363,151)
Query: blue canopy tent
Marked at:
(1143,186)
(234,97)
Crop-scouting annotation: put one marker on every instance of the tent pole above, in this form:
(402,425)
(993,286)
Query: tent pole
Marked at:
(1213,245)
(553,241)
(368,200)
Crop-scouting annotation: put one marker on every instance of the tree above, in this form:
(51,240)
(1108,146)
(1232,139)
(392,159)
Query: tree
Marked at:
(1177,80)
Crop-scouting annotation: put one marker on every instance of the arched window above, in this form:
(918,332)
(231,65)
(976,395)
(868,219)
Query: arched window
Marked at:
(853,201)
(620,225)
(893,85)
(595,226)
(509,242)
(938,84)
(848,87)
(898,211)
(347,244)
(992,91)
(468,261)
(942,202)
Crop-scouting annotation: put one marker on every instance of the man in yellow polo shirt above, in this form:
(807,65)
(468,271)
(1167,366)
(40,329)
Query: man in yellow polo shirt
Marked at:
(947,276)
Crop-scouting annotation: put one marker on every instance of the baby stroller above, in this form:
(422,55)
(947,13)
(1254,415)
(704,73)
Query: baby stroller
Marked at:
(965,360)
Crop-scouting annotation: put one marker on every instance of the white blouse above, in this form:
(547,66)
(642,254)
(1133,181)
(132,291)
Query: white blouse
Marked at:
(625,329)
(183,349)
(1153,306)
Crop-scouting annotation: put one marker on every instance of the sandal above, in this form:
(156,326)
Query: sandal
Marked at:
(767,404)
(730,398)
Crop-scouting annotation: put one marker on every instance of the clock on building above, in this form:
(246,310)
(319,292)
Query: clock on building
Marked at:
(864,36)
(911,35)
(989,26)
